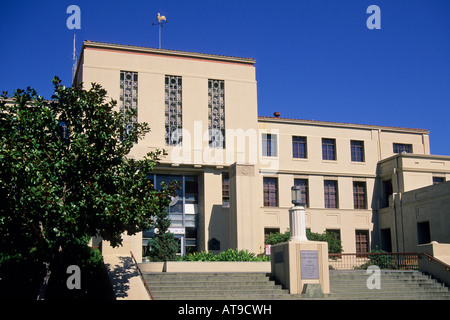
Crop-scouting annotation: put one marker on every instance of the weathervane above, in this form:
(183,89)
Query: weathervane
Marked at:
(160,21)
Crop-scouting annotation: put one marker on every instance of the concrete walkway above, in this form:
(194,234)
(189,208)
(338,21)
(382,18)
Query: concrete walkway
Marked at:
(125,278)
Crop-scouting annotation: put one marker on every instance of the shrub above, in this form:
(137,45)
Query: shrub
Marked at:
(229,255)
(334,244)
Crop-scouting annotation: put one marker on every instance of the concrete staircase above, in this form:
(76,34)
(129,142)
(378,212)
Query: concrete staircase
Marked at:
(344,285)
(214,286)
(395,285)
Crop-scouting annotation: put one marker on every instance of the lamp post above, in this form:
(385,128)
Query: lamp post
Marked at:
(297,220)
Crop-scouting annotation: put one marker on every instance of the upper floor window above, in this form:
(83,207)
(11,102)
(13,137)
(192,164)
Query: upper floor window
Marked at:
(402,148)
(270,190)
(328,149)
(437,180)
(269,145)
(359,195)
(173,109)
(216,113)
(357,150)
(331,193)
(299,147)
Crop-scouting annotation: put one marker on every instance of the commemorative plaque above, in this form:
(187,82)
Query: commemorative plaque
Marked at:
(309,260)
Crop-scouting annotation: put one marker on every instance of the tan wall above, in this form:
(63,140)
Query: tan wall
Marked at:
(377,145)
(104,65)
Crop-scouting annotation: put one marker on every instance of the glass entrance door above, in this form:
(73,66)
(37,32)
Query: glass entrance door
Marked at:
(183,211)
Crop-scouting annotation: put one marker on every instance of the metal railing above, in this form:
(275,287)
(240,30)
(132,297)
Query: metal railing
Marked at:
(385,260)
(142,276)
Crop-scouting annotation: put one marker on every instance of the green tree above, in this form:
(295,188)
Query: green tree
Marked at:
(66,175)
(163,246)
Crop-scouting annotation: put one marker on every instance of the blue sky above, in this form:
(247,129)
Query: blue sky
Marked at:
(315,59)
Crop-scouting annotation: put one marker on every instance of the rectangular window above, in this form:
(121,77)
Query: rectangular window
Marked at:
(387,192)
(303,184)
(269,145)
(331,194)
(299,147)
(402,148)
(328,149)
(225,190)
(129,98)
(270,186)
(362,241)
(216,113)
(423,232)
(437,180)
(357,150)
(335,233)
(173,110)
(359,195)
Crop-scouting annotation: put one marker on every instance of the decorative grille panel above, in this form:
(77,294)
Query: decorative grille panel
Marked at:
(216,113)
(129,96)
(173,110)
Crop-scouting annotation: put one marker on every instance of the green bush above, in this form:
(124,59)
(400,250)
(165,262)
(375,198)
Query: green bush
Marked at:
(334,244)
(229,255)
(382,261)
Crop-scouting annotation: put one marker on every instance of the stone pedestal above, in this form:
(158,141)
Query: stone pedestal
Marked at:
(299,264)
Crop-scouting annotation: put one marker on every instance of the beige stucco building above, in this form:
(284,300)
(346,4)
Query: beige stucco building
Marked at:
(237,168)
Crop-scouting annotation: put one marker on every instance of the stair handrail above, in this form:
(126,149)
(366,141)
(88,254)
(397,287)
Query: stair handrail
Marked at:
(142,276)
(429,257)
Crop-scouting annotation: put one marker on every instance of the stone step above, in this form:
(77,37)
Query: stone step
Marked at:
(213,286)
(395,285)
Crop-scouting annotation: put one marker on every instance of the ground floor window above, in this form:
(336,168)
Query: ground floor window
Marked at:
(183,212)
(423,232)
(386,241)
(362,241)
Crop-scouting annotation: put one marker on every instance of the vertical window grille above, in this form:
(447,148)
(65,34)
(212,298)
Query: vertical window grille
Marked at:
(357,151)
(328,149)
(129,97)
(299,147)
(331,194)
(270,186)
(216,113)
(359,195)
(173,110)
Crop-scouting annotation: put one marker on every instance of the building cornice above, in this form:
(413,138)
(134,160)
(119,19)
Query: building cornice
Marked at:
(339,124)
(169,53)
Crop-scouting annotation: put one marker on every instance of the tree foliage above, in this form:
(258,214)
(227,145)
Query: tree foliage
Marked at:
(163,246)
(334,244)
(66,174)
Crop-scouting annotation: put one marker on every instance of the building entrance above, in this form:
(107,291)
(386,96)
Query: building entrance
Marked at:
(183,211)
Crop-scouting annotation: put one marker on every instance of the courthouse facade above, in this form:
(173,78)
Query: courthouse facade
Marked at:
(237,168)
